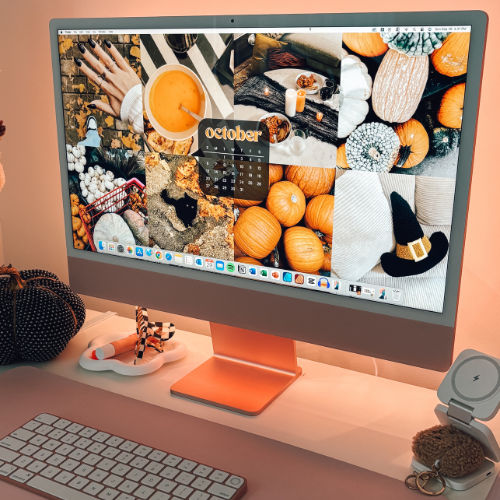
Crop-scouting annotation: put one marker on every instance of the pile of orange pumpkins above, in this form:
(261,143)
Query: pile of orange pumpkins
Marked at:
(298,210)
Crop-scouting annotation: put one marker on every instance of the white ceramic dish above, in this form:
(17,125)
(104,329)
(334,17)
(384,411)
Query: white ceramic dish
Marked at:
(281,117)
(320,81)
(175,136)
(124,363)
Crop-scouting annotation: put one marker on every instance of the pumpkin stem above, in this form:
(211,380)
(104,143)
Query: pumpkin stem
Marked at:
(404,154)
(16,282)
(374,153)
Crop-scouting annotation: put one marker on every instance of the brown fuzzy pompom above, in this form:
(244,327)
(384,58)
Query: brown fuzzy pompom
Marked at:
(459,453)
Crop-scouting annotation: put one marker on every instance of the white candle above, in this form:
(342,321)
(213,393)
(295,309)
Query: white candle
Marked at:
(290,102)
(266,91)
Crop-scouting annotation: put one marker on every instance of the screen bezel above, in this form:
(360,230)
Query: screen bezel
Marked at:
(478,22)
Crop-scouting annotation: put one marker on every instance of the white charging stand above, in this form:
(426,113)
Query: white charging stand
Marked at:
(470,392)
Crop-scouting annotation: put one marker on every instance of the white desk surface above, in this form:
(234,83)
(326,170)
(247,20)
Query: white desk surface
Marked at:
(353,417)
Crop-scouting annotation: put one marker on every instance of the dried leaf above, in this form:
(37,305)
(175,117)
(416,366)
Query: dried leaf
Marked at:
(99,131)
(110,121)
(116,144)
(135,52)
(81,87)
(136,40)
(130,143)
(79,101)
(64,45)
(104,98)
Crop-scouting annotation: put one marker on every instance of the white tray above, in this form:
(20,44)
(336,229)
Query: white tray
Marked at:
(124,363)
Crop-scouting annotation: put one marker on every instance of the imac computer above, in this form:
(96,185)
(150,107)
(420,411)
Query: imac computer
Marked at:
(284,177)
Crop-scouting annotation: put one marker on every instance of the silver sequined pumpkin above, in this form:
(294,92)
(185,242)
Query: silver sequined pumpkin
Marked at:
(372,147)
(414,44)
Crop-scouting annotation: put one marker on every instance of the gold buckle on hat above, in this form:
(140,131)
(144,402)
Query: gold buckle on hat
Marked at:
(412,251)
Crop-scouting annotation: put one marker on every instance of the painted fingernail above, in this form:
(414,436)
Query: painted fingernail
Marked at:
(78,62)
(91,106)
(81,48)
(108,43)
(91,43)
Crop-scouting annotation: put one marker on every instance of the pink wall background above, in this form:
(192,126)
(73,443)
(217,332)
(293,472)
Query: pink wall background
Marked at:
(31,217)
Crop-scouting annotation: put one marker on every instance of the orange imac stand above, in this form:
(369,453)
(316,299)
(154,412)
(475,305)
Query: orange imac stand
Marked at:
(247,372)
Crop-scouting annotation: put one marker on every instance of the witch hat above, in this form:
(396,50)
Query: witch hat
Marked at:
(415,253)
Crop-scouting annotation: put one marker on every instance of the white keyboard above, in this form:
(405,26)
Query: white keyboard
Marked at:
(69,461)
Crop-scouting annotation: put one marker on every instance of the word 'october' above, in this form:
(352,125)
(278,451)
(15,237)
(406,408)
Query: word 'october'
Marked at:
(231,134)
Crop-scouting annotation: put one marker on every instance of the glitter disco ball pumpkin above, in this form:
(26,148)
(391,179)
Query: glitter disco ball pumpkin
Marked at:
(39,315)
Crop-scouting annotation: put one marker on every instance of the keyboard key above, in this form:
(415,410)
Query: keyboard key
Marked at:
(57,434)
(55,489)
(172,460)
(78,483)
(69,438)
(36,466)
(169,473)
(98,475)
(157,455)
(21,476)
(92,459)
(182,491)
(143,492)
(23,434)
(201,484)
(187,465)
(44,429)
(124,457)
(62,423)
(69,464)
(56,460)
(45,418)
(83,443)
(128,486)
(50,472)
(96,447)
(83,470)
(87,432)
(8,455)
(113,481)
(143,451)
(38,440)
(161,496)
(154,467)
(100,437)
(29,450)
(93,488)
(151,480)
(7,469)
(185,478)
(51,445)
(135,475)
(199,495)
(75,428)
(114,441)
(235,481)
(139,462)
(167,486)
(121,469)
(64,477)
(221,491)
(12,443)
(42,454)
(219,476)
(108,494)
(64,449)
(32,425)
(202,470)
(110,452)
(23,461)
(128,446)
(106,464)
(78,454)
(124,496)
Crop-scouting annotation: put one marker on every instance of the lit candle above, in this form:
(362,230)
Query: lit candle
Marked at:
(319,116)
(301,100)
(290,102)
(266,91)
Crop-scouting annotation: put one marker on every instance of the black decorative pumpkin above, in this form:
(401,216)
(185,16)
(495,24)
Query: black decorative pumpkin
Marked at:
(39,315)
(444,140)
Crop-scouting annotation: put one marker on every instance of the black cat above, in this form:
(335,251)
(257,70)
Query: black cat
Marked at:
(185,207)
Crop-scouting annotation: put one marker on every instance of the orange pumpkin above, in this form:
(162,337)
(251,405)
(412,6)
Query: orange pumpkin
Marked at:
(451,58)
(327,263)
(365,44)
(328,238)
(286,202)
(303,249)
(452,106)
(341,157)
(414,143)
(246,203)
(249,260)
(313,181)
(319,213)
(275,173)
(257,232)
(238,252)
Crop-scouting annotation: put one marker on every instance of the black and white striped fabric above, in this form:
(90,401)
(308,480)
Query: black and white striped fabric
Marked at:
(200,58)
(147,330)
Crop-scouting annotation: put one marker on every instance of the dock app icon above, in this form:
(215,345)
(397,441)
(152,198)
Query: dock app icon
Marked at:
(102,245)
(219,265)
(209,263)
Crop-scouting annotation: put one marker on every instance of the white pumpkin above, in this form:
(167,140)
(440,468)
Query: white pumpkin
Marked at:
(83,160)
(71,166)
(70,157)
(81,176)
(92,187)
(76,152)
(111,175)
(69,147)
(82,149)
(82,185)
(90,198)
(87,181)
(356,86)
(90,171)
(111,227)
(119,182)
(109,185)
(85,193)
(79,167)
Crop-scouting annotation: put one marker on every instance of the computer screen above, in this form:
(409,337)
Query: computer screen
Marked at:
(311,157)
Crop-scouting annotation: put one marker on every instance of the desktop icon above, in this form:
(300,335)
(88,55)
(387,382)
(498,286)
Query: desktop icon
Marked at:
(252,271)
(111,247)
(355,289)
(368,291)
(178,258)
(396,295)
(158,255)
(264,273)
(324,283)
(231,267)
(275,275)
(311,281)
(242,269)
(209,263)
(287,277)
(130,250)
(382,294)
(299,279)
(102,245)
(198,261)
(336,286)
(219,265)
(120,248)
(139,252)
(149,252)
(188,259)
(168,256)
